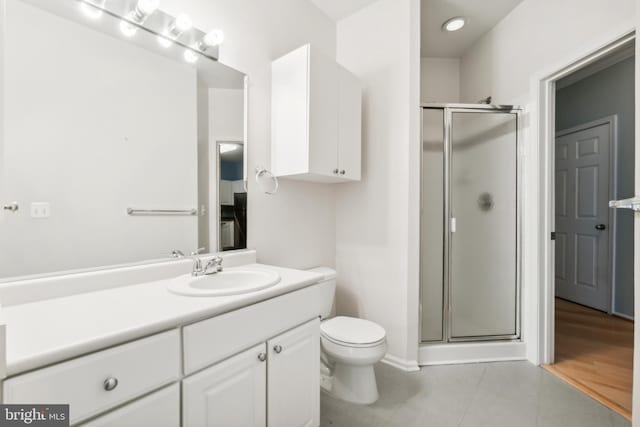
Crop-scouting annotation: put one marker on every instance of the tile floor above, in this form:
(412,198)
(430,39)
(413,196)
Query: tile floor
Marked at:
(510,394)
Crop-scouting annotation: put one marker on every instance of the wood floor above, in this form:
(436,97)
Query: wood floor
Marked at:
(594,352)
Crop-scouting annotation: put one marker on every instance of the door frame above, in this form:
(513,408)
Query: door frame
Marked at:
(544,88)
(612,121)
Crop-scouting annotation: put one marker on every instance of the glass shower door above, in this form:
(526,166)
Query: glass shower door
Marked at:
(483,229)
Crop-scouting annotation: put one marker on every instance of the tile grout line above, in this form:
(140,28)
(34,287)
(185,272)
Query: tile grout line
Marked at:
(466,411)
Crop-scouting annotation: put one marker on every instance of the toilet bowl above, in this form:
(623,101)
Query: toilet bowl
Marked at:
(350,348)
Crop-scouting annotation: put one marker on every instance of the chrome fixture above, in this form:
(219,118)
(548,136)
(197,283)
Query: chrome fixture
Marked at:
(177,253)
(143,9)
(12,207)
(632,203)
(161,212)
(212,39)
(213,266)
(262,172)
(179,26)
(110,384)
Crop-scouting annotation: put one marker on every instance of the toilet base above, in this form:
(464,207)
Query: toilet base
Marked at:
(355,384)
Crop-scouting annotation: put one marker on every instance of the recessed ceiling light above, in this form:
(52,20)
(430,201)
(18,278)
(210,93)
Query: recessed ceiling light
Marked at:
(454,24)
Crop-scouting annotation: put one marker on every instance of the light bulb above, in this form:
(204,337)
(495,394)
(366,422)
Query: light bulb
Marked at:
(164,41)
(454,24)
(129,30)
(183,23)
(213,38)
(190,56)
(147,7)
(91,9)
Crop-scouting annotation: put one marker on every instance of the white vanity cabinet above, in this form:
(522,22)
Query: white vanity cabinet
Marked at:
(275,383)
(159,409)
(316,115)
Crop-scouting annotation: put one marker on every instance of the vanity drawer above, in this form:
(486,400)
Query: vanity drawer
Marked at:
(213,340)
(137,368)
(159,409)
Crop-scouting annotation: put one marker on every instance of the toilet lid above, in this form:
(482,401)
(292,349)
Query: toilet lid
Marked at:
(352,330)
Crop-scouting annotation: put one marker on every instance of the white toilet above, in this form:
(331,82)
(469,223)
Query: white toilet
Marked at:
(350,349)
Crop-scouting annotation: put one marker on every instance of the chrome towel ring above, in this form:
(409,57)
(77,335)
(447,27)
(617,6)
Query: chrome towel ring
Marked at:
(261,173)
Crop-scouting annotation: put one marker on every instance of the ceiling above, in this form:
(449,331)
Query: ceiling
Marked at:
(481,16)
(340,9)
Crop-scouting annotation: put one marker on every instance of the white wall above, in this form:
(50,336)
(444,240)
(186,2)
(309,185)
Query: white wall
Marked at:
(92,135)
(538,38)
(296,227)
(534,36)
(440,80)
(373,217)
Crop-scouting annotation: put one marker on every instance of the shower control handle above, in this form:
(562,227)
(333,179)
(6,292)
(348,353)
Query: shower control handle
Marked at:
(601,227)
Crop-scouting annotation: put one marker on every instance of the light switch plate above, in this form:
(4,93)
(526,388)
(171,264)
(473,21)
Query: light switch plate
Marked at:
(40,210)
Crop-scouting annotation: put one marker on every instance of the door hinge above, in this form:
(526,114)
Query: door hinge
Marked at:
(553,235)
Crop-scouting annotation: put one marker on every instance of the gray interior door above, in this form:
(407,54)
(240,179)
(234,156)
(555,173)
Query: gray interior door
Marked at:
(582,217)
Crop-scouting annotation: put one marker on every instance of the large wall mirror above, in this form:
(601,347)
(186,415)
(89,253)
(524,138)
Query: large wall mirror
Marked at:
(123,139)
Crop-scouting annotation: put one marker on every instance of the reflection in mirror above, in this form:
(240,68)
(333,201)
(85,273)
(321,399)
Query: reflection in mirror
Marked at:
(232,196)
(110,147)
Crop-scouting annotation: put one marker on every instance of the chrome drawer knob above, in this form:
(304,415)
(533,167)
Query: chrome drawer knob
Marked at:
(13,207)
(342,172)
(110,383)
(262,357)
(277,349)
(336,171)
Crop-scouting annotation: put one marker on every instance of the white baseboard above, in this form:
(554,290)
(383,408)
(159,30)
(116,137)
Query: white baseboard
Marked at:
(458,353)
(402,364)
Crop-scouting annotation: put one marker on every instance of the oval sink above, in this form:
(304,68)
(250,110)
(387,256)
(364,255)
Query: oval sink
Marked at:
(229,282)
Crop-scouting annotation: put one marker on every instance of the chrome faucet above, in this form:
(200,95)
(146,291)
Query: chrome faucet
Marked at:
(177,253)
(197,263)
(213,266)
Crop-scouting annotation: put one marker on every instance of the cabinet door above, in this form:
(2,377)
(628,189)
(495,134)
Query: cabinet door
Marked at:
(231,393)
(294,377)
(226,192)
(160,409)
(350,125)
(323,115)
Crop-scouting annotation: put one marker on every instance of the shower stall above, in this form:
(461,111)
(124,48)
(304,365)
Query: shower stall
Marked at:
(470,223)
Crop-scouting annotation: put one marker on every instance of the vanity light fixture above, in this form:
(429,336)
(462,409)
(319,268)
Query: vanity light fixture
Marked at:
(143,9)
(92,8)
(180,25)
(212,39)
(190,56)
(454,24)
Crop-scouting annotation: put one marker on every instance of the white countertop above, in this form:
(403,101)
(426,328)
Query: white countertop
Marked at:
(49,331)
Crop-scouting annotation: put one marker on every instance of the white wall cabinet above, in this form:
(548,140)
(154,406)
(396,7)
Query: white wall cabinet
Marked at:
(278,379)
(316,116)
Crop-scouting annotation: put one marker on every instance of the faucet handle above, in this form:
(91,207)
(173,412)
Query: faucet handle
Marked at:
(215,263)
(197,251)
(177,253)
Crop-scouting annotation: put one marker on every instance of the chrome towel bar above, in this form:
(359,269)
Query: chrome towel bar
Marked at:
(633,203)
(161,212)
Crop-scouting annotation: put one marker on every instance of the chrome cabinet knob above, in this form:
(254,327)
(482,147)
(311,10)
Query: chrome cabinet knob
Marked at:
(12,207)
(601,227)
(110,383)
(342,172)
(277,349)
(336,171)
(262,357)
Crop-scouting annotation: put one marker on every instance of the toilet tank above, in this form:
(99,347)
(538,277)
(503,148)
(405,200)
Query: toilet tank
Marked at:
(328,289)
